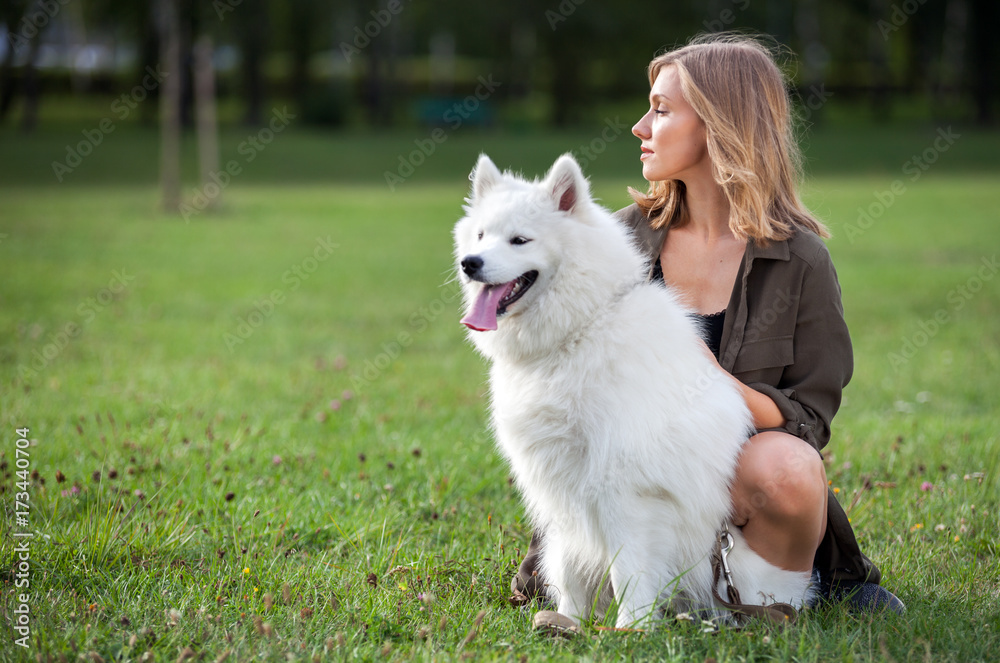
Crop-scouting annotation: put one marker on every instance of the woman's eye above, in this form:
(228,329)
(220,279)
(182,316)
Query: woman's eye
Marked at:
(517,241)
(660,112)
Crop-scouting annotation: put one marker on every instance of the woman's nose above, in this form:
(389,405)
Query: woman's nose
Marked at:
(641,130)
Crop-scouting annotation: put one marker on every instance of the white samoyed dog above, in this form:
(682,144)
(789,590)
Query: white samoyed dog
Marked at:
(621,433)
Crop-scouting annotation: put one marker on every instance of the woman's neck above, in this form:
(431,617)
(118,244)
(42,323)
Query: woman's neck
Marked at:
(707,210)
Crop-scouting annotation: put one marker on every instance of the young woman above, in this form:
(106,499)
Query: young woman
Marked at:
(724,227)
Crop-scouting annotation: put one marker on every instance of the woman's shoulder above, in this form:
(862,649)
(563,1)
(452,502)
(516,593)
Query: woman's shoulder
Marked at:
(631,216)
(809,247)
(802,258)
(647,239)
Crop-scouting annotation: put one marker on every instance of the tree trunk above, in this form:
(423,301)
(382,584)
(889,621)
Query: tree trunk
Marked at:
(170,98)
(878,63)
(32,87)
(984,59)
(303,25)
(8,83)
(813,55)
(208,138)
(253,23)
(12,13)
(148,39)
(951,68)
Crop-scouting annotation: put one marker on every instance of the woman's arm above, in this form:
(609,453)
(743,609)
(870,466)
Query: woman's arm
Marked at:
(809,391)
(762,407)
(764,410)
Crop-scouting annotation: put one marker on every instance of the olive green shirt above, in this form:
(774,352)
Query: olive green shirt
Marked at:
(785,336)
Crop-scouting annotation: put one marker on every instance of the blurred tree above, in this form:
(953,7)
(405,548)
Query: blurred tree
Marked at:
(11,13)
(31,84)
(208,137)
(878,60)
(565,54)
(22,37)
(250,21)
(132,22)
(170,101)
(985,58)
(309,31)
(304,25)
(143,18)
(570,42)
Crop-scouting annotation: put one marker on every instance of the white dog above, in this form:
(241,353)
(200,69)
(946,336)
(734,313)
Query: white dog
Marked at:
(621,433)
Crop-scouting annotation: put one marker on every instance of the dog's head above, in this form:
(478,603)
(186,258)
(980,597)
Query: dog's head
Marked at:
(507,243)
(539,260)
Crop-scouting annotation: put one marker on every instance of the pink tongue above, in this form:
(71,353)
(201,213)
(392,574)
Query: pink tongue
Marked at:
(483,315)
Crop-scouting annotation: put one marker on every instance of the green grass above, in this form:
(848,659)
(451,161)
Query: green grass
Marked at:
(274,455)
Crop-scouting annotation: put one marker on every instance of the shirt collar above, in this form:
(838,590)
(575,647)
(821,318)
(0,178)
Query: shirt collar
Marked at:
(775,250)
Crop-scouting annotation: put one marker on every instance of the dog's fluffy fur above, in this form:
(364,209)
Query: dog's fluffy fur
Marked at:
(621,433)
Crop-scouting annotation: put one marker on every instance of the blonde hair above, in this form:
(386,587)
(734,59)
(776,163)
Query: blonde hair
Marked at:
(736,88)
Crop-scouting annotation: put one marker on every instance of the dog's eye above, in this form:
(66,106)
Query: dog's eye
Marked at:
(480,235)
(517,241)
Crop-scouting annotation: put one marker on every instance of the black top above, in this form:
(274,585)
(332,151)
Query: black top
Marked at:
(711,329)
(711,323)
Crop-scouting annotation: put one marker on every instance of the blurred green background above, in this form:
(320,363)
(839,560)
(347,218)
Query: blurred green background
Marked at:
(383,63)
(401,92)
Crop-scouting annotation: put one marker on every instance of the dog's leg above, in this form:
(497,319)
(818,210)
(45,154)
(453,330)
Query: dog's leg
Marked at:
(565,582)
(637,591)
(762,583)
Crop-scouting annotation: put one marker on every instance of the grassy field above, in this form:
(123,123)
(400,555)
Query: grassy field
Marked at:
(261,434)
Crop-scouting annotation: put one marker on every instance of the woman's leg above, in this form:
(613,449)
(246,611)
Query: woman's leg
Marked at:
(780,499)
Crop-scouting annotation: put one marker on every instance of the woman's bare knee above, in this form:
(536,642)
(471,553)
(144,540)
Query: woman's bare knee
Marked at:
(779,499)
(780,476)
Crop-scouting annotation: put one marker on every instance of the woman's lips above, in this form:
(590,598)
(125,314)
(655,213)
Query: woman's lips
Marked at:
(645,153)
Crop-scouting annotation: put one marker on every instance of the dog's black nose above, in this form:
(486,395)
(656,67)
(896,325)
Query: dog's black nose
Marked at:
(471,265)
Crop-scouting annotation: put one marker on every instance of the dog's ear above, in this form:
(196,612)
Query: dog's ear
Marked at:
(484,176)
(566,183)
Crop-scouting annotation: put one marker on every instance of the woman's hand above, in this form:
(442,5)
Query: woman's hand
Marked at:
(764,410)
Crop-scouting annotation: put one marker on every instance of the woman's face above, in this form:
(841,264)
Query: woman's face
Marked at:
(672,134)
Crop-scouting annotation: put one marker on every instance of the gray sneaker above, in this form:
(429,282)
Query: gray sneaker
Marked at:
(859,597)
